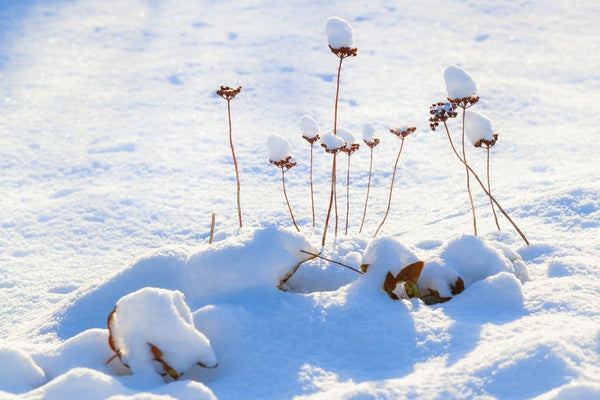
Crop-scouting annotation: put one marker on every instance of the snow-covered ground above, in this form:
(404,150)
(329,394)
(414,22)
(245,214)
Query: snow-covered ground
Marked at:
(115,152)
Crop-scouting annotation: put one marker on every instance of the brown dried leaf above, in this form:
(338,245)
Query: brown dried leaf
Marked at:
(157,354)
(458,286)
(390,283)
(433,297)
(411,272)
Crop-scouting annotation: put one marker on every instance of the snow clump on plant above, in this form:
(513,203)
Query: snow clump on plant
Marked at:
(478,128)
(347,136)
(339,33)
(279,148)
(309,126)
(458,83)
(331,142)
(153,330)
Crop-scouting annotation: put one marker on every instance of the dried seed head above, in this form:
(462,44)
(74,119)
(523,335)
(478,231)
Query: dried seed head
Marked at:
(486,143)
(349,149)
(311,140)
(332,143)
(284,164)
(344,52)
(440,112)
(403,131)
(464,102)
(228,93)
(351,144)
(372,143)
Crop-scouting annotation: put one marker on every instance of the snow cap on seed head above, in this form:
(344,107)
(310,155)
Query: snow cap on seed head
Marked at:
(369,132)
(279,148)
(478,128)
(347,136)
(332,143)
(310,128)
(458,83)
(339,33)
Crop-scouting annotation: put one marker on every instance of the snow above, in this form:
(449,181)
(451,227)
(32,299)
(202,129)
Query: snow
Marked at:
(109,177)
(369,132)
(458,83)
(339,33)
(162,318)
(309,127)
(346,136)
(279,148)
(332,141)
(478,127)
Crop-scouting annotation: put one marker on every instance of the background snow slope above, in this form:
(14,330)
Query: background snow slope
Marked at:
(114,144)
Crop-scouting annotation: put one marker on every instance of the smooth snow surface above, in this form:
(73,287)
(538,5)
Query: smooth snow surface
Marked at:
(369,132)
(459,84)
(309,127)
(339,33)
(478,127)
(332,141)
(115,153)
(279,148)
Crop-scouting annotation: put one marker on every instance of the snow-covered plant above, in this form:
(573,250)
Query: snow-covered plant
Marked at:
(310,133)
(350,147)
(461,92)
(332,144)
(401,133)
(370,139)
(340,37)
(481,134)
(153,330)
(404,283)
(460,84)
(228,94)
(280,155)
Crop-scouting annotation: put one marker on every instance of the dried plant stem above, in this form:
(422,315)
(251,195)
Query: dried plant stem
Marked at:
(483,187)
(368,189)
(312,195)
(212,228)
(332,261)
(347,195)
(391,189)
(467,171)
(489,188)
(286,198)
(330,201)
(237,174)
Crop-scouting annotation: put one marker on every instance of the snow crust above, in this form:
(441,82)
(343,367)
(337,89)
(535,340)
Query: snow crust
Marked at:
(478,127)
(332,142)
(369,132)
(339,33)
(279,148)
(309,127)
(458,83)
(162,318)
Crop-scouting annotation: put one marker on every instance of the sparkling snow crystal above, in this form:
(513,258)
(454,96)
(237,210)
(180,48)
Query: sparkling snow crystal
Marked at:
(369,132)
(309,127)
(339,33)
(458,83)
(478,127)
(332,142)
(158,317)
(279,148)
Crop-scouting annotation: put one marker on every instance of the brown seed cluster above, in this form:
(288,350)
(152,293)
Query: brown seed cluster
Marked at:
(311,140)
(284,164)
(372,144)
(344,52)
(331,151)
(402,133)
(487,143)
(464,102)
(440,112)
(228,93)
(349,149)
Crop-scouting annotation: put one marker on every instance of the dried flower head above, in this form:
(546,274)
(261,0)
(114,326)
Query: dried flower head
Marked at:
(440,112)
(464,102)
(486,143)
(284,164)
(311,140)
(403,131)
(332,143)
(344,52)
(228,93)
(372,143)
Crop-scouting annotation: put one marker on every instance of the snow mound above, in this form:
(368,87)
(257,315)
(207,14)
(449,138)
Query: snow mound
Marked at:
(332,142)
(153,318)
(346,136)
(19,372)
(279,148)
(309,126)
(458,83)
(369,132)
(478,127)
(474,259)
(385,254)
(497,294)
(437,276)
(339,33)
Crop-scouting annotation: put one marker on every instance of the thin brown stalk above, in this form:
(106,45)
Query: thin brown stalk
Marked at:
(483,187)
(212,228)
(330,201)
(347,195)
(391,189)
(312,196)
(286,198)
(237,175)
(332,261)
(489,188)
(368,189)
(467,172)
